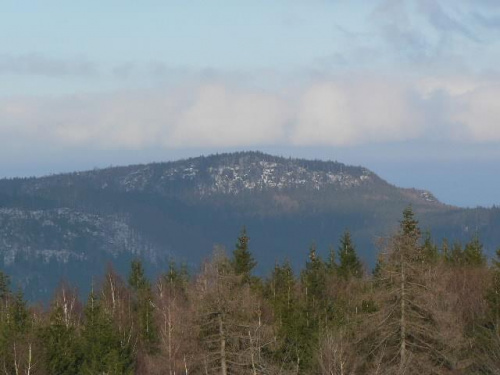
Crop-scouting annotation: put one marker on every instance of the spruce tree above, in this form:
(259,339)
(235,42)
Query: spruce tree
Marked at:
(430,251)
(457,256)
(103,351)
(137,279)
(5,297)
(294,342)
(349,263)
(403,335)
(243,262)
(62,346)
(314,276)
(409,225)
(4,286)
(17,339)
(143,306)
(315,307)
(473,253)
(19,314)
(176,277)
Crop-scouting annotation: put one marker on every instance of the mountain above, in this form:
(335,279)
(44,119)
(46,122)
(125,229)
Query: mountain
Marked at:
(70,226)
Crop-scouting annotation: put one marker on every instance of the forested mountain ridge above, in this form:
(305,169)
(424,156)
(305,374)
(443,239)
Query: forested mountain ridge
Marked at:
(71,225)
(425,309)
(230,174)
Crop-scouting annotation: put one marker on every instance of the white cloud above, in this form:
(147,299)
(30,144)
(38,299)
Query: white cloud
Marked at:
(221,116)
(478,111)
(359,110)
(342,111)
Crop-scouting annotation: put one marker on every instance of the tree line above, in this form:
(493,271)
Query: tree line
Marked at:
(425,309)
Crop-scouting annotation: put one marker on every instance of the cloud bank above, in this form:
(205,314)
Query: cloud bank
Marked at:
(341,111)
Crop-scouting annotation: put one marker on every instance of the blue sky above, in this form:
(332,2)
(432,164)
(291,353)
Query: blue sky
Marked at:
(407,88)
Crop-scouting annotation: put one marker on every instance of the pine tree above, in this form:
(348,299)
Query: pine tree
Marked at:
(350,265)
(243,261)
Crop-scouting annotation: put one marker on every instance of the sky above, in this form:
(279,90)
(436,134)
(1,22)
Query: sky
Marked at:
(407,88)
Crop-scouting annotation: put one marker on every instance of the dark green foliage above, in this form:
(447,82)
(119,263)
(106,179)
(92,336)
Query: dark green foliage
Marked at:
(430,252)
(16,327)
(103,351)
(177,277)
(457,256)
(296,336)
(4,286)
(243,261)
(349,263)
(314,277)
(5,329)
(317,309)
(368,306)
(137,279)
(409,225)
(473,253)
(19,318)
(62,346)
(281,289)
(143,306)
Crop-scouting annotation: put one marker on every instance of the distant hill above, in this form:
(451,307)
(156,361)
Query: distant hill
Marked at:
(71,225)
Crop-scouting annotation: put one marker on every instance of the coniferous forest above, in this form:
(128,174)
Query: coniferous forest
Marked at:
(425,308)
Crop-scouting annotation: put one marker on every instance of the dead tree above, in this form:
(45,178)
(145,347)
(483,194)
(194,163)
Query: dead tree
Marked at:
(229,316)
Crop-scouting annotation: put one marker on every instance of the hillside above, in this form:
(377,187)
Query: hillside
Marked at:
(71,225)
